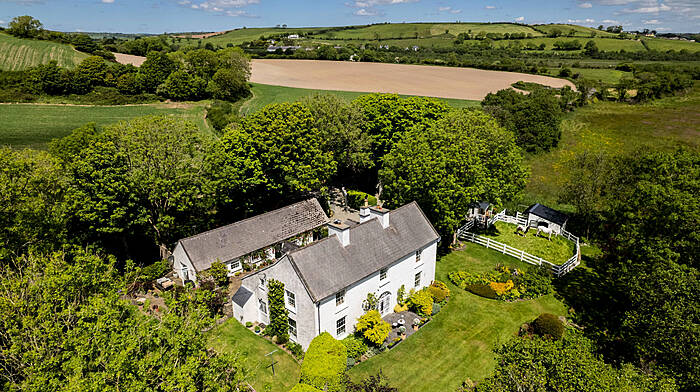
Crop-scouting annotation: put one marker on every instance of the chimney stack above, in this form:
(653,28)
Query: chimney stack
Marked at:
(380,213)
(341,230)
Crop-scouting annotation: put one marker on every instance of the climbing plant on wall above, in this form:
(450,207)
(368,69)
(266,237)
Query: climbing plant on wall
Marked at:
(279,322)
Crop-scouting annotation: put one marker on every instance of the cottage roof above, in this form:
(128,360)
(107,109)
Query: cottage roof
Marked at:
(326,266)
(484,205)
(248,235)
(547,213)
(242,296)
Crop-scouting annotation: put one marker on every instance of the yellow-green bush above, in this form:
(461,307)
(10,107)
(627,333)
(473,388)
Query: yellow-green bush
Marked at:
(421,302)
(324,364)
(439,291)
(304,388)
(372,327)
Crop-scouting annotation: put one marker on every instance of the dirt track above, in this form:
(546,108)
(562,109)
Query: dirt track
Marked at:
(433,81)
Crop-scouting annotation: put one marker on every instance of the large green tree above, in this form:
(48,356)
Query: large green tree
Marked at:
(389,115)
(341,126)
(65,327)
(273,156)
(567,365)
(534,118)
(447,165)
(155,70)
(145,176)
(24,26)
(32,209)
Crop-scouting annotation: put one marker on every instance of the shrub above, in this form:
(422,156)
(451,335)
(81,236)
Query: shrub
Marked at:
(350,362)
(436,309)
(439,291)
(257,328)
(373,328)
(401,295)
(356,199)
(482,290)
(219,273)
(421,302)
(295,349)
(537,281)
(354,346)
(548,324)
(154,271)
(501,288)
(304,388)
(324,364)
(279,321)
(400,308)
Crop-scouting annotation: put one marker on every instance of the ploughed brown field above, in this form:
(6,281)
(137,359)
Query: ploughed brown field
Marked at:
(123,58)
(423,80)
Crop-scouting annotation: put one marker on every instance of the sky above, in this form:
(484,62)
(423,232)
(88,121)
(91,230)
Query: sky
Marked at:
(159,16)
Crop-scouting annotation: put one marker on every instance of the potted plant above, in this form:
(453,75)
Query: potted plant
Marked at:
(416,323)
(402,329)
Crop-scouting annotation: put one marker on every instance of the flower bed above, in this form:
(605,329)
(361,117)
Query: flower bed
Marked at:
(505,283)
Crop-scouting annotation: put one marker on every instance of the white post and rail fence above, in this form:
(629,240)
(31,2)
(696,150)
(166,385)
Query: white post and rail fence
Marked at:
(558,269)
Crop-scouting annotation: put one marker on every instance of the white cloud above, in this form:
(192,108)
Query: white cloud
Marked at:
(648,10)
(365,12)
(581,21)
(490,7)
(108,1)
(223,7)
(520,19)
(585,5)
(652,22)
(611,21)
(449,9)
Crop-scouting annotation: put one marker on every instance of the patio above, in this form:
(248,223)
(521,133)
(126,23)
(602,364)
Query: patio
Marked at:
(394,319)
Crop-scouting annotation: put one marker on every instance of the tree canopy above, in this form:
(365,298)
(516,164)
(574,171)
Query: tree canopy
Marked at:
(445,166)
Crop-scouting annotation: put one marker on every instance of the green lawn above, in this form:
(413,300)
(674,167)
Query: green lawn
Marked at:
(231,336)
(458,343)
(264,95)
(557,251)
(616,128)
(580,31)
(668,44)
(18,53)
(606,44)
(31,125)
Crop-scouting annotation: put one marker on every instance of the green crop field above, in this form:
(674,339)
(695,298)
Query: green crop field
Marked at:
(17,53)
(605,75)
(31,125)
(668,44)
(264,95)
(579,31)
(476,28)
(617,128)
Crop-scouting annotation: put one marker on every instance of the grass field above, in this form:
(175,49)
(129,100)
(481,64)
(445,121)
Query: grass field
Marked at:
(667,44)
(604,75)
(605,44)
(264,95)
(580,31)
(458,343)
(616,128)
(31,125)
(231,336)
(17,53)
(557,251)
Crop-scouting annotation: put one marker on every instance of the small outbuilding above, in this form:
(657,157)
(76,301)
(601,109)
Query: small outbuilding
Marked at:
(541,215)
(479,210)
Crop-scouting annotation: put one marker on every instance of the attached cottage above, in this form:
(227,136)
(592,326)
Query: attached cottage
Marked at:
(250,241)
(327,281)
(541,215)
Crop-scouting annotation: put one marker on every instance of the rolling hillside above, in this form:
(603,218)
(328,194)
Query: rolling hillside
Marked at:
(17,53)
(579,31)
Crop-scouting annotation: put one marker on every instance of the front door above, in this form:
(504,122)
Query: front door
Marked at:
(385,303)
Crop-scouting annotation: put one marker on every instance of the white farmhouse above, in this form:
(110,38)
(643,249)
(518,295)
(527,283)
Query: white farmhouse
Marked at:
(327,281)
(251,241)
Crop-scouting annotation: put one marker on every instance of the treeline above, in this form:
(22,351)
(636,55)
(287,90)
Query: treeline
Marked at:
(197,74)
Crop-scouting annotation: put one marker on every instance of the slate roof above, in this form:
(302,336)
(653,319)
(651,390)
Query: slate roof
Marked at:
(246,236)
(241,297)
(484,205)
(547,213)
(326,266)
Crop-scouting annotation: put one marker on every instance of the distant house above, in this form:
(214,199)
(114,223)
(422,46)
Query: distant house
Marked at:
(249,241)
(293,36)
(327,281)
(541,215)
(274,48)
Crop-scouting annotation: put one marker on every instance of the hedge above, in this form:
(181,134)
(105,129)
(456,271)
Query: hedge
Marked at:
(356,199)
(482,290)
(324,364)
(548,324)
(304,388)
